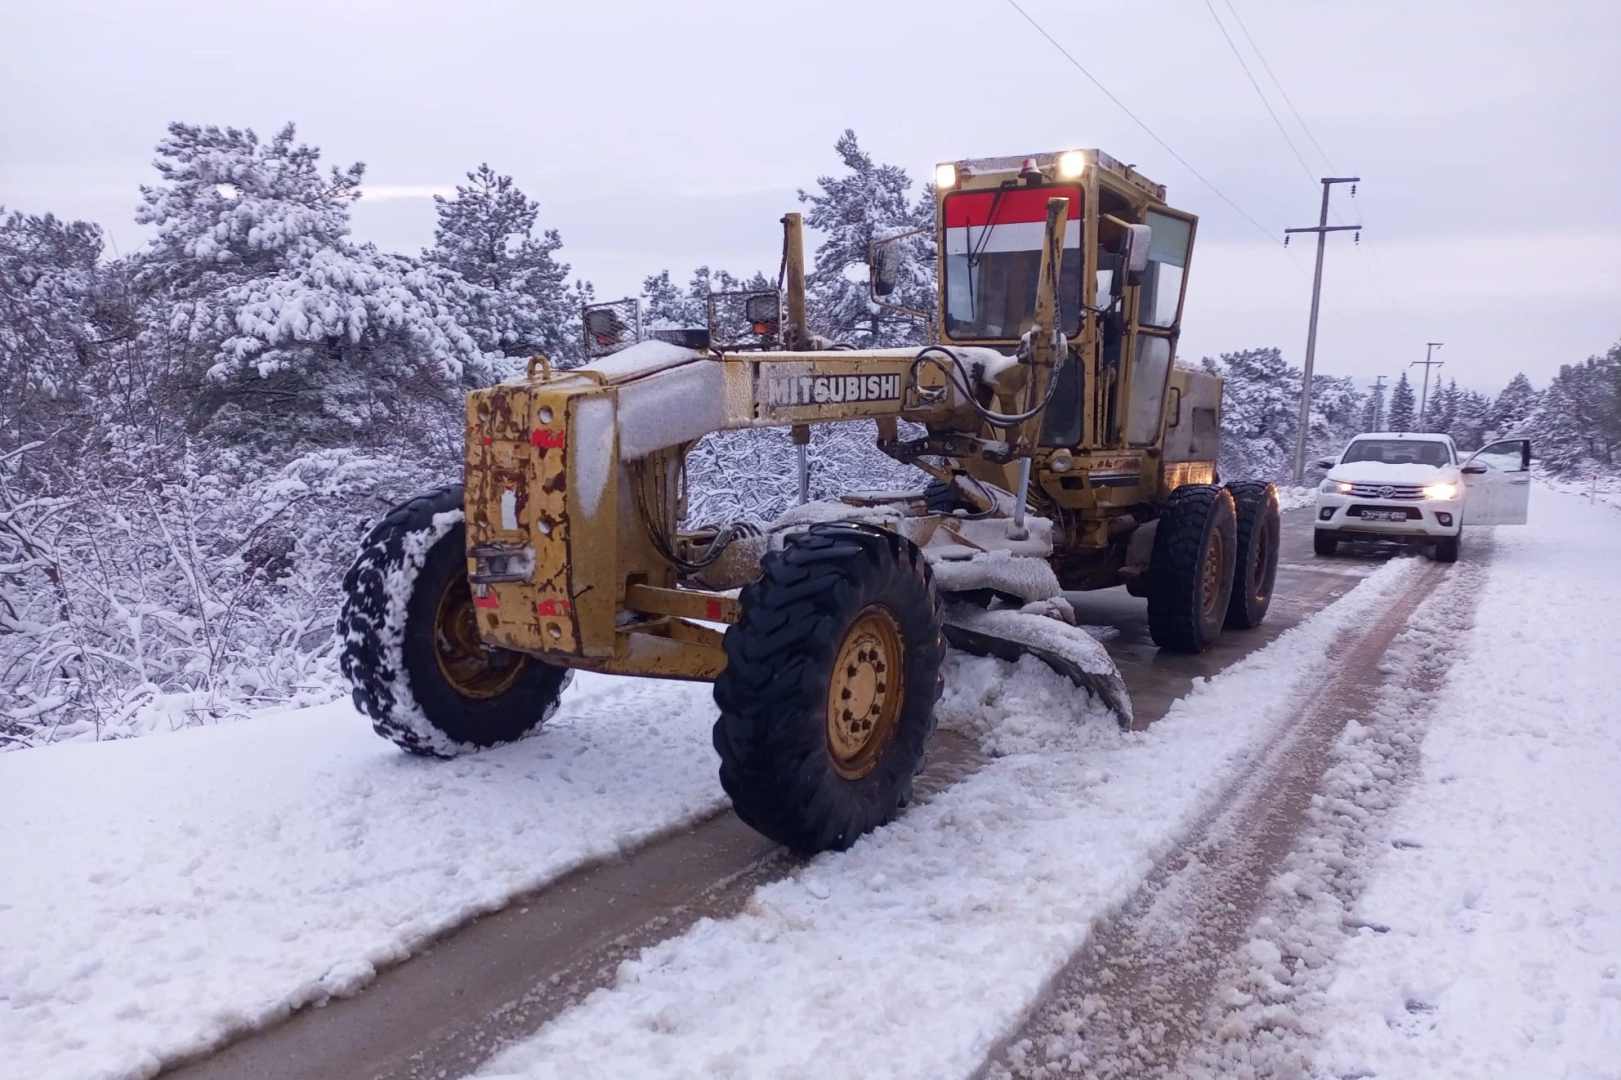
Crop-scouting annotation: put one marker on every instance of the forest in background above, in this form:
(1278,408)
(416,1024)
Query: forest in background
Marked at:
(195,437)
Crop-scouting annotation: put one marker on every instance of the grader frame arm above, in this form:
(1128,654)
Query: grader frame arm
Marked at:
(573,477)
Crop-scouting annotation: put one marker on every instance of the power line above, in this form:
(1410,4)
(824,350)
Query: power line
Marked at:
(1258,92)
(1368,258)
(1268,233)
(1288,254)
(1259,55)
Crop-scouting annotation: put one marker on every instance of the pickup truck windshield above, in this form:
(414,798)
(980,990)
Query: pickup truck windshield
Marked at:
(1399,452)
(993,257)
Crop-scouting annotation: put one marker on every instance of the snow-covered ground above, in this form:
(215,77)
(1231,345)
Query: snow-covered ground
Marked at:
(161,893)
(166,892)
(1593,488)
(1502,890)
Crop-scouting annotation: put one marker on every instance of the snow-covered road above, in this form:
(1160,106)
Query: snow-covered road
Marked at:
(1490,940)
(910,955)
(163,894)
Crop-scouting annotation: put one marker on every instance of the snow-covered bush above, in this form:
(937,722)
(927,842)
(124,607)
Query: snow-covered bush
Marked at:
(142,601)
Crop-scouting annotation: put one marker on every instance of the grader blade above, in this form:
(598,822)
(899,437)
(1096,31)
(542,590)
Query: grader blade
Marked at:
(1068,650)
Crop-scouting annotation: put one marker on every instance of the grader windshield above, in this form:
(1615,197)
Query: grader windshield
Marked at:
(993,258)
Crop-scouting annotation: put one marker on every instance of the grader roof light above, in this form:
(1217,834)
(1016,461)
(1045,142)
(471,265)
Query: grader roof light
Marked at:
(1071,164)
(945,176)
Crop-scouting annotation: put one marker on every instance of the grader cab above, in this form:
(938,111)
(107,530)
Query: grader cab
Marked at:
(1067,452)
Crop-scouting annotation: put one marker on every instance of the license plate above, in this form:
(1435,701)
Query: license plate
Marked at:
(1384,515)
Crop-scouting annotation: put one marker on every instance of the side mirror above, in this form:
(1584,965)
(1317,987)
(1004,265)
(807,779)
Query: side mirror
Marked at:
(1474,469)
(1138,240)
(1325,463)
(885,263)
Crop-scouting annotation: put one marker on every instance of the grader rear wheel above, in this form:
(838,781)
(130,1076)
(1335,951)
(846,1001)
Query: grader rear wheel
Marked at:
(828,693)
(1255,569)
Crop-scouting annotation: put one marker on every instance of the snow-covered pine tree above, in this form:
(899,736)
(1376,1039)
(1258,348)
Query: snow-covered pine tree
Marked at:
(1260,412)
(1473,419)
(1512,412)
(1373,409)
(1443,409)
(290,332)
(1577,423)
(1337,407)
(521,302)
(1403,408)
(52,298)
(868,203)
(665,306)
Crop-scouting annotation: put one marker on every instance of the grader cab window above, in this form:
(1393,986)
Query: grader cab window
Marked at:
(1167,267)
(993,259)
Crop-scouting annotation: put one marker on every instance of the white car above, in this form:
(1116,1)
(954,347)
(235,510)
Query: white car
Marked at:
(1412,488)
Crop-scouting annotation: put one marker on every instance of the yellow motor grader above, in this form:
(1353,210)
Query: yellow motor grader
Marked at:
(1068,452)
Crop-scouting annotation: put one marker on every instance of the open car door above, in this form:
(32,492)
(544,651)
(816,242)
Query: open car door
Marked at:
(1497,484)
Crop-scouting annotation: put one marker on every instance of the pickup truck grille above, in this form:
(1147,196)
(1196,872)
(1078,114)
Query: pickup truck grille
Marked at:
(1387,491)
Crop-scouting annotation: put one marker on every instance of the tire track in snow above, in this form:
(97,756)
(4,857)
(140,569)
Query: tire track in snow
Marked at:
(1183,982)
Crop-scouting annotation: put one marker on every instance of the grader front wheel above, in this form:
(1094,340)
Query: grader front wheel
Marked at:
(410,643)
(828,694)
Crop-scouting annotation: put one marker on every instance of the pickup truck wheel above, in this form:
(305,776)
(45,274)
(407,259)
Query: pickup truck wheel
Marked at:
(828,693)
(1255,569)
(1324,542)
(1446,549)
(1190,573)
(411,648)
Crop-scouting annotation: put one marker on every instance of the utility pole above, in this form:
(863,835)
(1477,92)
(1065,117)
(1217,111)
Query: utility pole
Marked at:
(1322,230)
(1424,398)
(1379,402)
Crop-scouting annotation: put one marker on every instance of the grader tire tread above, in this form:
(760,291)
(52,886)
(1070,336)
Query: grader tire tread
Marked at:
(772,732)
(389,664)
(1175,619)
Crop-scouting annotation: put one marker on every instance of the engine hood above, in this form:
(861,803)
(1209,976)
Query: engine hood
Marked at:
(1381,472)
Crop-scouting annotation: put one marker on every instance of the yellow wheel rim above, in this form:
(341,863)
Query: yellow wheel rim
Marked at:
(1213,560)
(473,669)
(865,694)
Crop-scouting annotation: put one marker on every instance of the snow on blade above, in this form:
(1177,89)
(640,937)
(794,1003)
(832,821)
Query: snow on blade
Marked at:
(1068,650)
(1028,579)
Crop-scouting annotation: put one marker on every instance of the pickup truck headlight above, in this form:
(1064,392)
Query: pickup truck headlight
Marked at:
(1441,491)
(1335,487)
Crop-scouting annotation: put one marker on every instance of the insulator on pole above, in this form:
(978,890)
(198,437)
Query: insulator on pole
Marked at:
(1286,239)
(1353,191)
(1357,236)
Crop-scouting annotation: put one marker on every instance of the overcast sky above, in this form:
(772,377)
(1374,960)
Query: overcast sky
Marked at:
(666,135)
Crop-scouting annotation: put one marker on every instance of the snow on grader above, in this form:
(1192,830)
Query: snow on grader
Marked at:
(1068,453)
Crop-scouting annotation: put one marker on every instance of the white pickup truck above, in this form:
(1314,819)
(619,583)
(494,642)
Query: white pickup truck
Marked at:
(1412,488)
